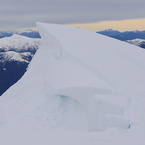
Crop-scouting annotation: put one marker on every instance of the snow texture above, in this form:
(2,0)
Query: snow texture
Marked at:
(81,88)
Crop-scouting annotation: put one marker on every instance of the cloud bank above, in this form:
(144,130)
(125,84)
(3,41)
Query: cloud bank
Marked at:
(18,13)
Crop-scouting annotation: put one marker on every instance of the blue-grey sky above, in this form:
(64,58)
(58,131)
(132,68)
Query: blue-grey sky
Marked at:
(24,13)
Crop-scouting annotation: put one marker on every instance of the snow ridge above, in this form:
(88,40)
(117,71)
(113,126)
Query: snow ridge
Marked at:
(73,101)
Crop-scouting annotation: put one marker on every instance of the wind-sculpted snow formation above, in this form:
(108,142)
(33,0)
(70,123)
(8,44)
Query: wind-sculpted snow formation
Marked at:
(78,90)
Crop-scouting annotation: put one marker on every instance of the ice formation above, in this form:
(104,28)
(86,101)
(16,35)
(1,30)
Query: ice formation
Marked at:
(80,86)
(71,76)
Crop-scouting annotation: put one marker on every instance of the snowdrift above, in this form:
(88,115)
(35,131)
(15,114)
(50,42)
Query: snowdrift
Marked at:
(79,85)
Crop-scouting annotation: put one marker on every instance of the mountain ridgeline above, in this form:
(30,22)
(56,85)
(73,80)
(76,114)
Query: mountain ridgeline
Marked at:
(16,52)
(134,37)
(28,33)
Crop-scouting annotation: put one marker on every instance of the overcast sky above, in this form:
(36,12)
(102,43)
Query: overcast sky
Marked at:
(24,13)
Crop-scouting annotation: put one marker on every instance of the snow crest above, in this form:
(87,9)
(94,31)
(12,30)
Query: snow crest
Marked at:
(83,86)
(77,82)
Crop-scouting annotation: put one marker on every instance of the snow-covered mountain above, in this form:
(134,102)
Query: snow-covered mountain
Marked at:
(15,54)
(19,43)
(109,32)
(127,35)
(78,90)
(134,37)
(28,32)
(137,42)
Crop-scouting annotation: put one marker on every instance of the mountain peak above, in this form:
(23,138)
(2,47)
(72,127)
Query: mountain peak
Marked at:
(109,32)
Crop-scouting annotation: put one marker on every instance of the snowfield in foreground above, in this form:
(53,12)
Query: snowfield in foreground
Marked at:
(81,88)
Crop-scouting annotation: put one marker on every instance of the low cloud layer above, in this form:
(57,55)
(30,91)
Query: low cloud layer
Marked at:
(17,13)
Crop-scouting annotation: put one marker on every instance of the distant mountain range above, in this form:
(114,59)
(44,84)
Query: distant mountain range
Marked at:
(128,35)
(137,42)
(26,32)
(109,32)
(19,43)
(16,52)
(134,37)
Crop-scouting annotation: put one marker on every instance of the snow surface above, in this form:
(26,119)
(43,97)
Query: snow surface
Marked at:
(81,88)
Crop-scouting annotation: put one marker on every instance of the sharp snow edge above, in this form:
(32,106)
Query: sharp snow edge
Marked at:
(77,82)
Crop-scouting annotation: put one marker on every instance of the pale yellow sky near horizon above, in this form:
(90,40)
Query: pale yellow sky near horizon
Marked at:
(122,25)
